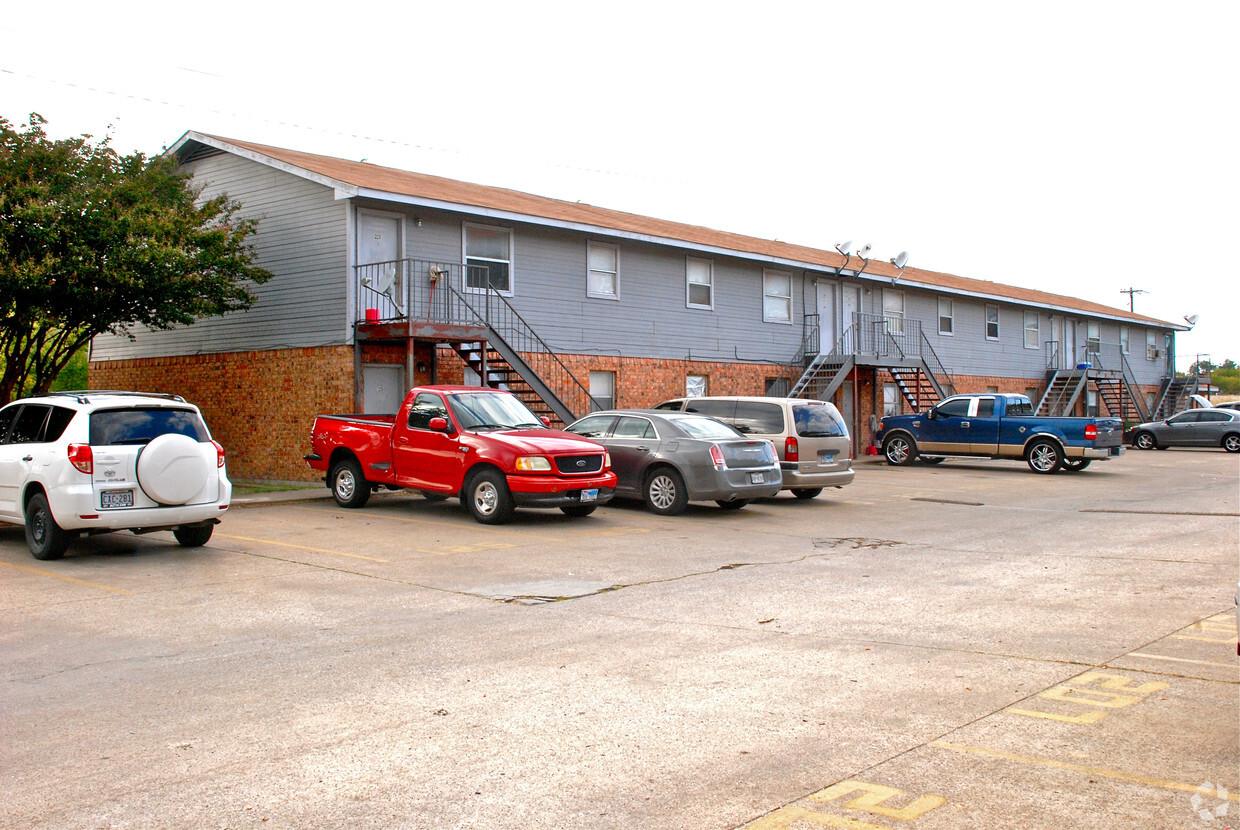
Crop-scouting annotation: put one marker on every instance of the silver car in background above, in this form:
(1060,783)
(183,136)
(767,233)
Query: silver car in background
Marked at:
(668,459)
(1213,427)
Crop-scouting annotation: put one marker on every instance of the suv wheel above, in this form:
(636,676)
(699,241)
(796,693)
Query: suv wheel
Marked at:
(46,539)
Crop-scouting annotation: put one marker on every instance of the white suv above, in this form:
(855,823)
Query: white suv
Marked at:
(94,462)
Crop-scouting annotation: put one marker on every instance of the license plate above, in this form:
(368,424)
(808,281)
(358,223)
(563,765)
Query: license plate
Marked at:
(757,478)
(826,458)
(115,498)
(589,495)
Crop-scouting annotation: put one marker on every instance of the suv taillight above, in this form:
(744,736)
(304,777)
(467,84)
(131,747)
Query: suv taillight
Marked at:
(1091,432)
(82,458)
(219,453)
(792,452)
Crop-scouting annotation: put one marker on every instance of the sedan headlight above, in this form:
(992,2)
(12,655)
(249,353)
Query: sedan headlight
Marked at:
(533,464)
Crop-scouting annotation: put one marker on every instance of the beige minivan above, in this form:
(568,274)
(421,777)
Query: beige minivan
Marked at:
(809,436)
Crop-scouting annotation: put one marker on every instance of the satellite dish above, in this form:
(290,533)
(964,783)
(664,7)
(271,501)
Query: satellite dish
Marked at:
(385,282)
(865,249)
(844,247)
(900,260)
(1191,319)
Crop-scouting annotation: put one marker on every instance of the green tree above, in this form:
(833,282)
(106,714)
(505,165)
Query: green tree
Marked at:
(92,241)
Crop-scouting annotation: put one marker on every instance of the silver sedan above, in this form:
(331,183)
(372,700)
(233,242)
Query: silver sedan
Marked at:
(1194,428)
(668,459)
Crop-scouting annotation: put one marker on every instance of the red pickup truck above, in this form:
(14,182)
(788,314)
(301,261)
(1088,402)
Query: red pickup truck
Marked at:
(483,445)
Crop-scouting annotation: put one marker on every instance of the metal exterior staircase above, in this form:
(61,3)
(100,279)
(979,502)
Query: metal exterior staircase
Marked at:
(917,386)
(1063,390)
(1175,394)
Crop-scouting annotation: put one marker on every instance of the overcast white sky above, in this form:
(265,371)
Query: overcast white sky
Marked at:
(1076,147)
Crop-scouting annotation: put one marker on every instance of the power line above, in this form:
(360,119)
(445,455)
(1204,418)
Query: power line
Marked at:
(1131,292)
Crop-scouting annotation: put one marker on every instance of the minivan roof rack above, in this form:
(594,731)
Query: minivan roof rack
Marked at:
(83,395)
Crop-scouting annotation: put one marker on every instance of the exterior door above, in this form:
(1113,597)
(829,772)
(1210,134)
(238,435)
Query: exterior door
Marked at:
(378,237)
(850,307)
(1070,355)
(826,316)
(383,388)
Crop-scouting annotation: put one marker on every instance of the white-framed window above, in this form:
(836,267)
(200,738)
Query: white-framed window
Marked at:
(1151,344)
(891,400)
(893,310)
(1123,339)
(491,248)
(699,283)
(1033,331)
(602,271)
(1093,336)
(947,320)
(992,322)
(776,296)
(603,389)
(695,386)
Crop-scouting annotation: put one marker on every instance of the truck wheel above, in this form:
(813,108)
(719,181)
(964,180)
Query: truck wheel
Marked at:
(1231,442)
(578,511)
(664,492)
(349,487)
(488,498)
(193,537)
(1044,457)
(45,538)
(900,450)
(1075,465)
(806,492)
(1145,441)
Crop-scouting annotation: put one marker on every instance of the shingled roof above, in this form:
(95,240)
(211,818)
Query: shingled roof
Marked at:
(380,182)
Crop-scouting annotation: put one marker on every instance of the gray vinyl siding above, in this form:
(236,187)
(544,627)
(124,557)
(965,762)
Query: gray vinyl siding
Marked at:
(649,319)
(302,238)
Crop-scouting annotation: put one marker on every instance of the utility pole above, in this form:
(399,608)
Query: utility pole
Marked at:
(1131,292)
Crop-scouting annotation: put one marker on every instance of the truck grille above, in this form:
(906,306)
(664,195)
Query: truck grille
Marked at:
(579,464)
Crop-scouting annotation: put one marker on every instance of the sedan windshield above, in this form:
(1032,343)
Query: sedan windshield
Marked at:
(478,411)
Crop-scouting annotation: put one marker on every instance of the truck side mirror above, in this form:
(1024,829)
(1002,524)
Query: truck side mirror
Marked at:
(546,421)
(439,425)
(929,416)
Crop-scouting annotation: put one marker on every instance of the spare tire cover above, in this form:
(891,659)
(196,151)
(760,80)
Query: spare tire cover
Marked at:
(172,469)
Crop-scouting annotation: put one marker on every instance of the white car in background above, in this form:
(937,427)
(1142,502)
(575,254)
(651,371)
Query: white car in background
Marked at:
(95,462)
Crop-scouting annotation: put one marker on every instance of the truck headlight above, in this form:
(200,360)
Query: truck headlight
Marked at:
(533,464)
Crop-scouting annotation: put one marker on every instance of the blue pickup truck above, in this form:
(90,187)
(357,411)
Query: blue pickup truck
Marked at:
(999,426)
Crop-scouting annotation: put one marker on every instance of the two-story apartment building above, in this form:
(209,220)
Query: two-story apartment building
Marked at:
(385,279)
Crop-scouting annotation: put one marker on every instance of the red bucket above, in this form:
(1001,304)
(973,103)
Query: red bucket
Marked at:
(372,315)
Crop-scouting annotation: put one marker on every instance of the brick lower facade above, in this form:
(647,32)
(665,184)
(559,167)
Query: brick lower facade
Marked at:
(260,405)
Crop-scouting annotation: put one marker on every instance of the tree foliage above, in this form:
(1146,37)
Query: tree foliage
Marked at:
(92,242)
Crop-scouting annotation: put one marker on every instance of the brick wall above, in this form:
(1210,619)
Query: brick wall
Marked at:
(259,405)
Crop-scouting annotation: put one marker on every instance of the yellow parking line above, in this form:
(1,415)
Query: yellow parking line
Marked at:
(301,547)
(1180,659)
(1105,773)
(66,578)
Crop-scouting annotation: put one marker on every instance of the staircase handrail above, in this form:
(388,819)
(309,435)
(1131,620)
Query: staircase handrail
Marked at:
(936,366)
(529,340)
(1133,388)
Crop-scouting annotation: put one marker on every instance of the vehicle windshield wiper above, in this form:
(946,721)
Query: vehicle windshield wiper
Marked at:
(490,426)
(530,424)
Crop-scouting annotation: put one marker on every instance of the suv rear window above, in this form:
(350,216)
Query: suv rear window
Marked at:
(753,418)
(817,422)
(142,425)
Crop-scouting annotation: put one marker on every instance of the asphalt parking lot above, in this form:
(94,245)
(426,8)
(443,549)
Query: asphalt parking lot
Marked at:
(967,645)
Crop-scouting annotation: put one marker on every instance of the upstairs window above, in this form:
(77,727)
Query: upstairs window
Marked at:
(1033,334)
(603,271)
(776,297)
(489,248)
(947,321)
(992,322)
(699,283)
(1093,336)
(1123,339)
